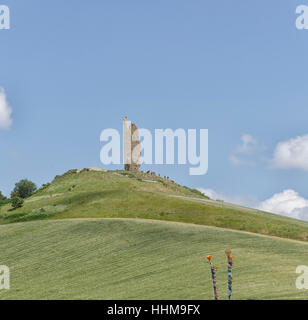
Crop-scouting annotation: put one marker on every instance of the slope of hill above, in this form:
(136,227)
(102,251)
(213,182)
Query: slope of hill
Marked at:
(120,194)
(143,259)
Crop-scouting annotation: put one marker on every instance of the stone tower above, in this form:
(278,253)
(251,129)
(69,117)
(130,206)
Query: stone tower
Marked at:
(132,148)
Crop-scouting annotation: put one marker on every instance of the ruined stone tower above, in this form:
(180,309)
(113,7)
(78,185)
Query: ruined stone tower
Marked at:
(132,148)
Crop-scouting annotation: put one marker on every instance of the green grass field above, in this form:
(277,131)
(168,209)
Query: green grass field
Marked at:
(119,235)
(143,259)
(135,195)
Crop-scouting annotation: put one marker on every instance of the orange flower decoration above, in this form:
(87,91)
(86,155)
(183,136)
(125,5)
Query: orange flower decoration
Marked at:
(209,257)
(228,252)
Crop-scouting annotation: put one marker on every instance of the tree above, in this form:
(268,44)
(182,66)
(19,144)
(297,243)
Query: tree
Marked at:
(2,197)
(23,189)
(17,202)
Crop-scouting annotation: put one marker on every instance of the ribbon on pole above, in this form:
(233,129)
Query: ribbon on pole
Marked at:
(213,273)
(228,254)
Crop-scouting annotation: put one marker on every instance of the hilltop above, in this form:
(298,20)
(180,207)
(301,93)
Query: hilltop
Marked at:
(121,194)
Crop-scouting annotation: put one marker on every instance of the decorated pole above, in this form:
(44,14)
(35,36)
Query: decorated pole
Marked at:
(228,254)
(213,269)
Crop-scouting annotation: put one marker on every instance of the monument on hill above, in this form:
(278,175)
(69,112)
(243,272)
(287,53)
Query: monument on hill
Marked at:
(132,148)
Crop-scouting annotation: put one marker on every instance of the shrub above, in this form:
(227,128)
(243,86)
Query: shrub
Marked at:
(17,202)
(23,189)
(196,191)
(43,187)
(2,197)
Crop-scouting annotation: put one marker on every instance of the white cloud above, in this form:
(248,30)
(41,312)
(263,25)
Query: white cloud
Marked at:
(248,145)
(5,111)
(292,153)
(288,203)
(245,201)
(242,154)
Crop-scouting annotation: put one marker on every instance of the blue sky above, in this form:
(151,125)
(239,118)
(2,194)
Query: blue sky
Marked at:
(69,69)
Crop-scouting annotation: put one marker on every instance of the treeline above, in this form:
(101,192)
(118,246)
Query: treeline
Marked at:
(22,190)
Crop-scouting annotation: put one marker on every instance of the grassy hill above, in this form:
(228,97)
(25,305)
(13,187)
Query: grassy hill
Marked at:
(120,194)
(143,259)
(118,235)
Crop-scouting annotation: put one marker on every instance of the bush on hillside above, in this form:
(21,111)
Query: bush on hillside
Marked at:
(199,193)
(43,187)
(23,189)
(2,197)
(3,200)
(17,202)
